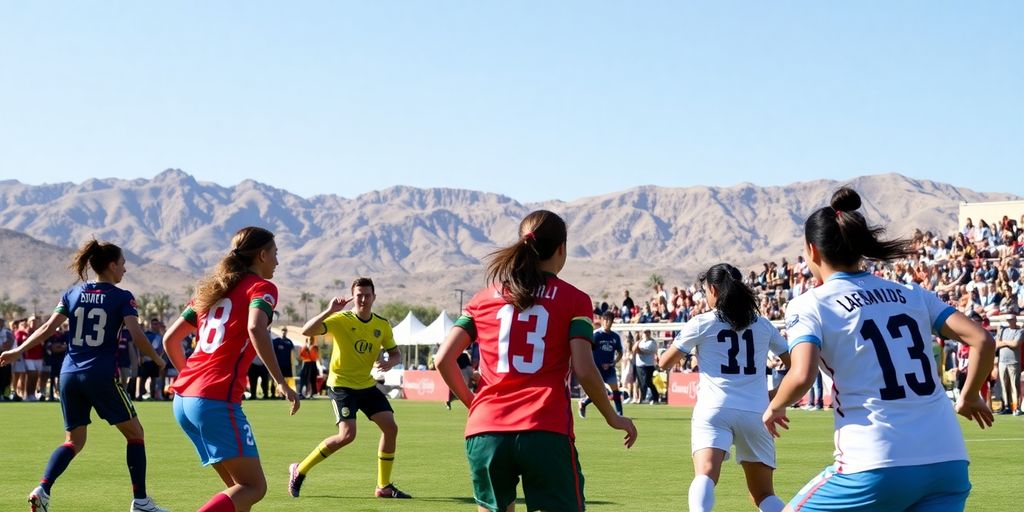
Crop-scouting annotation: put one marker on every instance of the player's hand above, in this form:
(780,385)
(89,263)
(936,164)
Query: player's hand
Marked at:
(623,423)
(386,365)
(773,419)
(338,304)
(975,408)
(291,396)
(9,357)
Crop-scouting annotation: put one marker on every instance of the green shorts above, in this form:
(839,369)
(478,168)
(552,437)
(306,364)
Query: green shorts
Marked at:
(548,463)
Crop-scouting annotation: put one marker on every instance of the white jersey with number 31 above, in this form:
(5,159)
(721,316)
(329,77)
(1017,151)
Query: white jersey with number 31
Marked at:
(732,362)
(876,342)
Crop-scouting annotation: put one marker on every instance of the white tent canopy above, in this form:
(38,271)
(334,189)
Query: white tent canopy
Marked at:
(436,332)
(407,330)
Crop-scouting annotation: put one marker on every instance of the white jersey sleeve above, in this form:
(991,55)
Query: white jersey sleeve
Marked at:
(690,336)
(803,321)
(776,343)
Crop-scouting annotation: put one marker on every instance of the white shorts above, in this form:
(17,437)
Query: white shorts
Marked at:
(721,428)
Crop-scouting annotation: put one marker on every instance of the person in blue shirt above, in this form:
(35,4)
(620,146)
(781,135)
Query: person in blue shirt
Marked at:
(607,352)
(96,311)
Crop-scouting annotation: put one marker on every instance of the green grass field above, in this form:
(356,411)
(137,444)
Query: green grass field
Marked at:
(431,465)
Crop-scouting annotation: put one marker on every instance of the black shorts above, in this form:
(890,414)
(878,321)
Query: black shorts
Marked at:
(347,401)
(81,392)
(149,369)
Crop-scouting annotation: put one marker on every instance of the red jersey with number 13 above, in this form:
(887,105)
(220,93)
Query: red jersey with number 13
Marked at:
(218,367)
(524,358)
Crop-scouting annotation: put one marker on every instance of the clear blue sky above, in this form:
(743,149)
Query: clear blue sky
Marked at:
(537,100)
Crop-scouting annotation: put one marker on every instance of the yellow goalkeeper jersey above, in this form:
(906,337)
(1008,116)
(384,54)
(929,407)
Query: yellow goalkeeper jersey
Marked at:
(357,345)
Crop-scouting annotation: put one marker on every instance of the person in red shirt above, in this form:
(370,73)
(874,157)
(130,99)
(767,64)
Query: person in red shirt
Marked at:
(531,327)
(231,314)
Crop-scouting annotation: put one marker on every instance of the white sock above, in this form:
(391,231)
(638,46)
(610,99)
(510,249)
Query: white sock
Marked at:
(702,494)
(771,504)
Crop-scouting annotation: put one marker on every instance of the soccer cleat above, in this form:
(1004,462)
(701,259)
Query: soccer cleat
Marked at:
(390,491)
(582,410)
(294,480)
(145,505)
(39,500)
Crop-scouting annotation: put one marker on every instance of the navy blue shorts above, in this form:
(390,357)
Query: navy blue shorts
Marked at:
(609,376)
(81,392)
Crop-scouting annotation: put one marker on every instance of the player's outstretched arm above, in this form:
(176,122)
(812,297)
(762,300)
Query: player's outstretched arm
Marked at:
(172,341)
(42,334)
(142,342)
(315,326)
(802,373)
(979,365)
(588,376)
(258,326)
(670,357)
(446,361)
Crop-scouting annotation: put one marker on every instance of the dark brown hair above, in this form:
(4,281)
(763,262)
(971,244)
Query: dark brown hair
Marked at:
(843,236)
(362,281)
(97,255)
(516,267)
(245,248)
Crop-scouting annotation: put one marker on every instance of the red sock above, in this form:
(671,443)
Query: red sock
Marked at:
(220,502)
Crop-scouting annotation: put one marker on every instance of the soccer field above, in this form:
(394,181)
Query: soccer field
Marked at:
(430,463)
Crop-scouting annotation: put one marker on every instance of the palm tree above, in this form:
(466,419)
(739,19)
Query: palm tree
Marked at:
(291,314)
(10,309)
(306,298)
(162,304)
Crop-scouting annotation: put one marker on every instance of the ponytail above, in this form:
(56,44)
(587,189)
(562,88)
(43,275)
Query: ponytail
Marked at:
(97,255)
(736,305)
(843,236)
(245,248)
(516,268)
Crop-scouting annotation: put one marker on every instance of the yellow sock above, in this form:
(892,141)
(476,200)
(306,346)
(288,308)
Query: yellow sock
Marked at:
(315,457)
(384,463)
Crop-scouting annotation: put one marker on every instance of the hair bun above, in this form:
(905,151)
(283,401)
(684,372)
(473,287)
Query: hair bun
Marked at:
(845,200)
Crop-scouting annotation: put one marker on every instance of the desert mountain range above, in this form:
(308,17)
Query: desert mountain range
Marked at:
(420,245)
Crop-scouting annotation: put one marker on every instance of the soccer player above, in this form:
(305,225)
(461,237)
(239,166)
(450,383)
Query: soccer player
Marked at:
(898,443)
(732,342)
(231,312)
(96,311)
(607,353)
(531,327)
(359,335)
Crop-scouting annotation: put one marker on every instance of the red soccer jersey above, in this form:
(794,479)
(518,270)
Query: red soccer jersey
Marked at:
(218,367)
(524,358)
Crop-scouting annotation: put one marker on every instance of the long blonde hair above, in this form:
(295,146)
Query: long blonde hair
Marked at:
(245,248)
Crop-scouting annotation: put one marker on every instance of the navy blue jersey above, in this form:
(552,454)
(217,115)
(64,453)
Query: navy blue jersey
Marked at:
(606,343)
(283,348)
(95,312)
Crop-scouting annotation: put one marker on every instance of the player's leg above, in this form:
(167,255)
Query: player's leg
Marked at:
(493,471)
(761,487)
(550,466)
(250,486)
(616,394)
(377,407)
(755,451)
(345,405)
(710,439)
